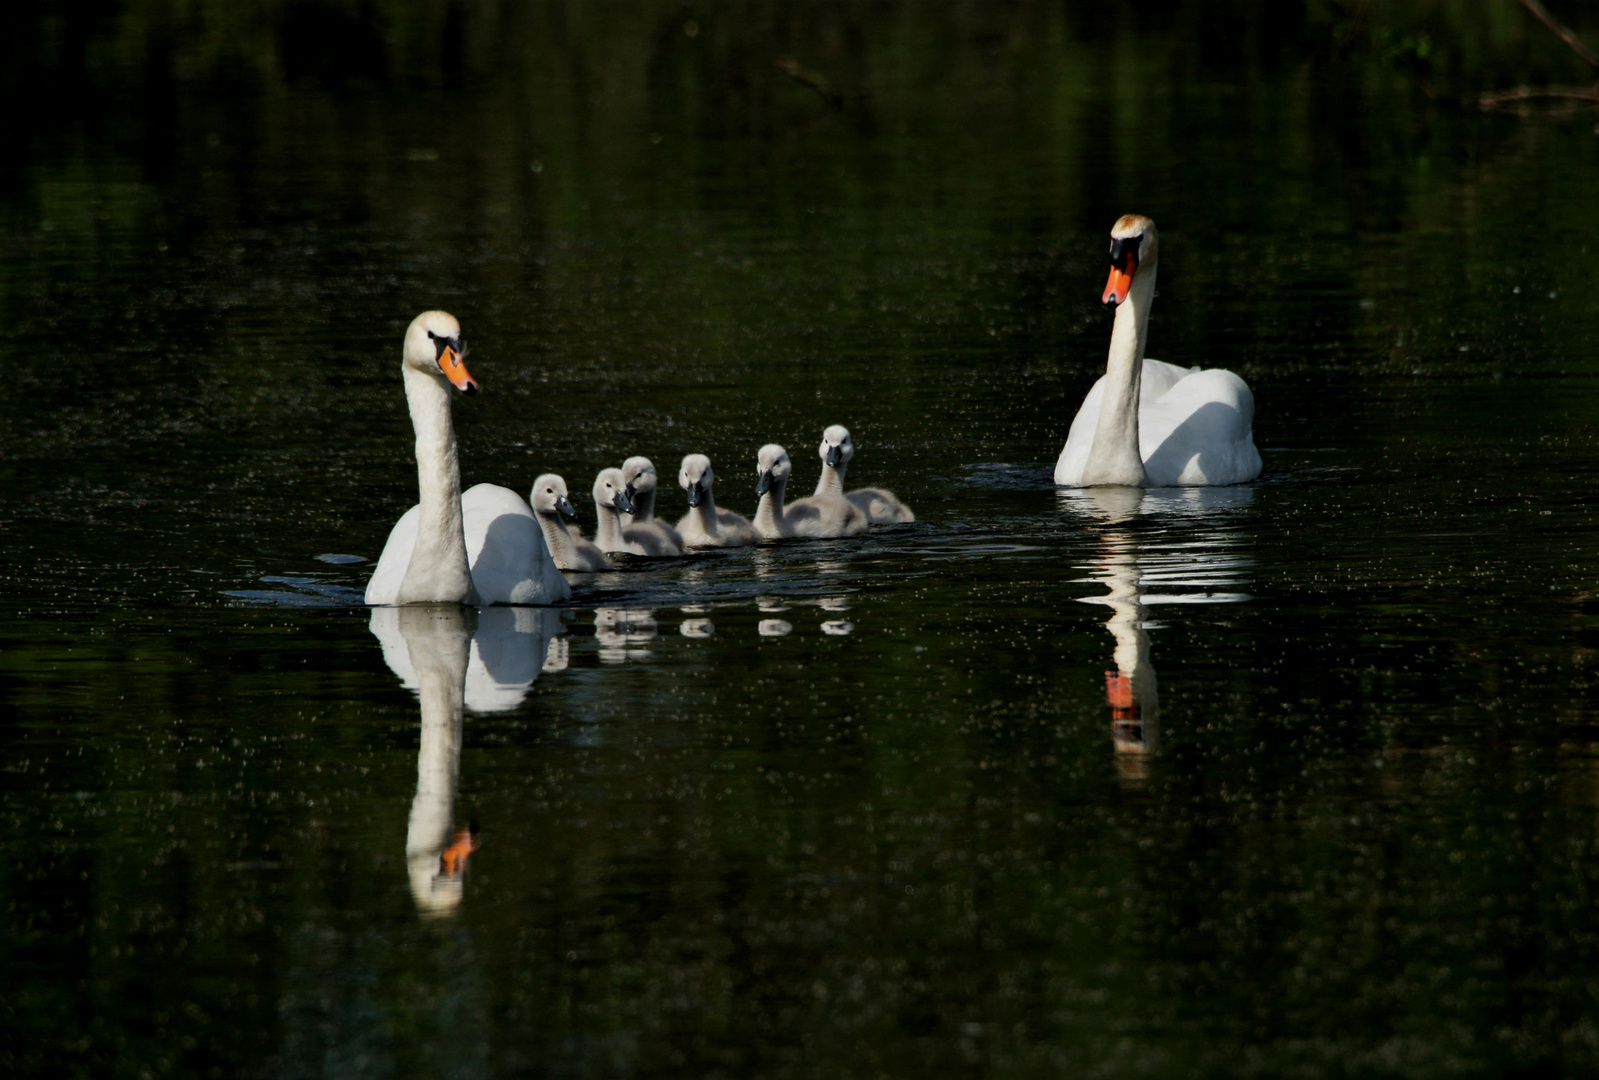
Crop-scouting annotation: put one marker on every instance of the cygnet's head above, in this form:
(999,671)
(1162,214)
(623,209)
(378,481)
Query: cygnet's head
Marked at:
(774,467)
(695,478)
(837,447)
(549,496)
(1134,250)
(433,346)
(638,476)
(611,491)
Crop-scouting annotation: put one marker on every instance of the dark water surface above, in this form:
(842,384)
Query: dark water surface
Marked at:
(872,807)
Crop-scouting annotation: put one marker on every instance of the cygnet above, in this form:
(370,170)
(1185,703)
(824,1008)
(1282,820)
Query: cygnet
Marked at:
(610,503)
(638,474)
(881,506)
(568,548)
(705,525)
(819,517)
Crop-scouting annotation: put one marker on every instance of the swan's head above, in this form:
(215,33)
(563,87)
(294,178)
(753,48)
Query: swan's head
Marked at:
(837,447)
(433,346)
(638,475)
(1134,250)
(695,478)
(549,496)
(611,490)
(774,467)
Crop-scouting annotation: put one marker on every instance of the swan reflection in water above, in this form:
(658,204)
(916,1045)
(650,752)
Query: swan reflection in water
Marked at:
(1165,538)
(456,659)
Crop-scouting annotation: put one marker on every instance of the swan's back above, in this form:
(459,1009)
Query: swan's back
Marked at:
(510,562)
(881,506)
(650,539)
(1199,432)
(825,516)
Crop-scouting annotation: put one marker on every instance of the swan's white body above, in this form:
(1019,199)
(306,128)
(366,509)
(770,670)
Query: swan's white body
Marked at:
(819,517)
(481,547)
(881,506)
(1149,424)
(505,552)
(1194,428)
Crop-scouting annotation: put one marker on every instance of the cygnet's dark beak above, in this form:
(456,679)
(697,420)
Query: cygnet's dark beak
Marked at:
(835,454)
(564,505)
(696,493)
(622,502)
(765,483)
(631,491)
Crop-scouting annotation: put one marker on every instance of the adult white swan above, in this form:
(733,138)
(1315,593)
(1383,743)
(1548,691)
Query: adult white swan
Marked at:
(480,547)
(1149,424)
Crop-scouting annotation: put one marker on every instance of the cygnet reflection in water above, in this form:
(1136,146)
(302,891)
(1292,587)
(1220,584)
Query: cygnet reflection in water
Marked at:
(558,656)
(774,628)
(623,634)
(696,628)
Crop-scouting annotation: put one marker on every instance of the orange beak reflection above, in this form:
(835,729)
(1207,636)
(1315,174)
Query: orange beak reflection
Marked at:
(454,369)
(452,862)
(1121,280)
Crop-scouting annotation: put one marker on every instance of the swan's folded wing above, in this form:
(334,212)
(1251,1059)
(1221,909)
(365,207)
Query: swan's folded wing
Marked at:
(1201,431)
(389,574)
(510,562)
(1074,455)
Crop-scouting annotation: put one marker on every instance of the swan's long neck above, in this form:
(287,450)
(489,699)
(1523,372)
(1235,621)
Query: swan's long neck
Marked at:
(556,537)
(769,514)
(1114,457)
(438,571)
(832,481)
(607,526)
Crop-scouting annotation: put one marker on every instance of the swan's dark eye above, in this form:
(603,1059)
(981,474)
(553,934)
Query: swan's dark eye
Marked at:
(442,343)
(1124,247)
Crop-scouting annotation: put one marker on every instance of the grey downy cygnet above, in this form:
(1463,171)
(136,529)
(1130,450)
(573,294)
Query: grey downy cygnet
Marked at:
(610,503)
(567,547)
(640,480)
(705,525)
(881,506)
(818,517)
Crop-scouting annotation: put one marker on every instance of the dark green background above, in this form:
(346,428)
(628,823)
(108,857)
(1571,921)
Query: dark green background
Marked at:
(1367,843)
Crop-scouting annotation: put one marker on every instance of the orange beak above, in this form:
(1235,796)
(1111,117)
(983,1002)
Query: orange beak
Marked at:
(454,369)
(1121,280)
